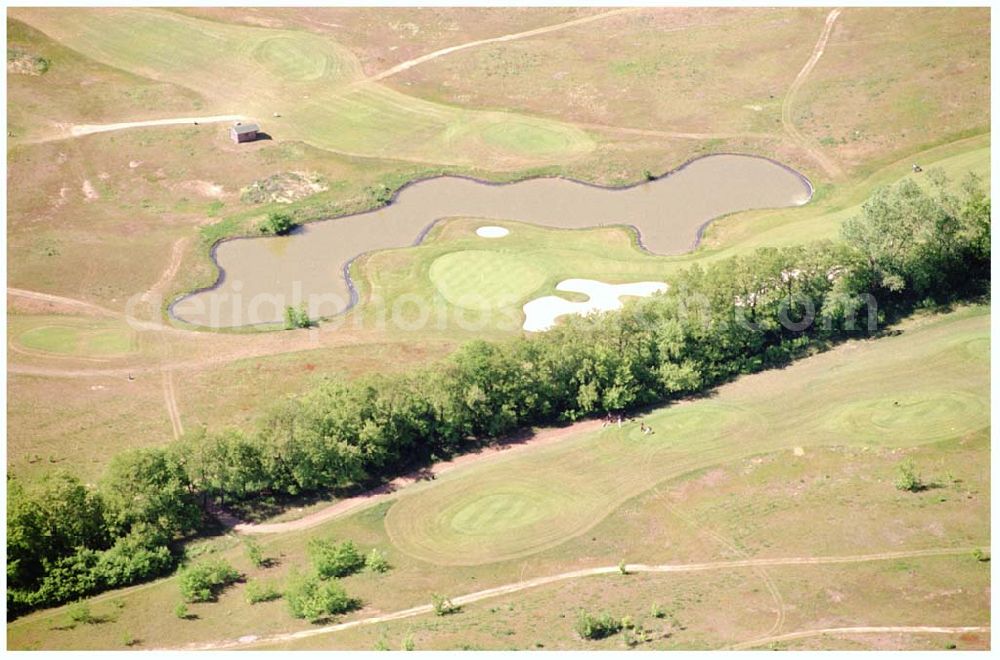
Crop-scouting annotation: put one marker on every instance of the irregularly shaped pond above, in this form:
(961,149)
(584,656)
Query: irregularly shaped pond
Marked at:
(260,277)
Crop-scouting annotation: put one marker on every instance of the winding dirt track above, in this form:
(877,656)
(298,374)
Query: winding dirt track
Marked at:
(828,165)
(251,640)
(855,630)
(403,66)
(76,305)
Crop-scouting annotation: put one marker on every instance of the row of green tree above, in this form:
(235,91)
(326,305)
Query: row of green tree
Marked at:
(909,246)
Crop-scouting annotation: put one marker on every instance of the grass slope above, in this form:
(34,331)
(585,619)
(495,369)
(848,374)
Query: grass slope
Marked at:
(561,491)
(315,84)
(679,496)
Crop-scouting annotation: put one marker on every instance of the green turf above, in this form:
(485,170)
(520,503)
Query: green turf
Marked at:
(78,338)
(526,137)
(481,279)
(717,468)
(316,86)
(940,389)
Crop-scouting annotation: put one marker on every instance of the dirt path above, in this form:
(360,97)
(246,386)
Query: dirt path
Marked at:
(376,495)
(176,255)
(715,537)
(672,134)
(828,165)
(515,587)
(60,301)
(170,398)
(507,37)
(854,630)
(78,130)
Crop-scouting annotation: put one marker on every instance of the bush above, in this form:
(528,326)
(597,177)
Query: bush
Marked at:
(261,592)
(907,477)
(380,194)
(255,553)
(202,582)
(278,223)
(80,613)
(377,562)
(980,555)
(139,556)
(333,560)
(311,598)
(597,627)
(408,644)
(181,611)
(443,606)
(657,611)
(297,317)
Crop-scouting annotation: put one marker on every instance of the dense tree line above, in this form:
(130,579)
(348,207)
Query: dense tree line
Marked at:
(909,246)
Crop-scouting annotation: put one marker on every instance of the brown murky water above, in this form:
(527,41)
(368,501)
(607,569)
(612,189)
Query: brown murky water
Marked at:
(261,276)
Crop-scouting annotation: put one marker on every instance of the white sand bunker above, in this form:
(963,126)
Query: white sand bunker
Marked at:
(492,232)
(540,314)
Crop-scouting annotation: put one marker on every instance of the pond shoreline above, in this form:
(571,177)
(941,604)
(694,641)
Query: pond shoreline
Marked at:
(354,296)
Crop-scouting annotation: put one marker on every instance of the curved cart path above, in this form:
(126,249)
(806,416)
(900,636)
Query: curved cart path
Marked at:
(391,489)
(828,165)
(855,630)
(249,640)
(403,66)
(76,305)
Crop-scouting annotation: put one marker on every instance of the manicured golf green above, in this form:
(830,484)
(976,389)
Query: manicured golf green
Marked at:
(481,279)
(518,505)
(78,338)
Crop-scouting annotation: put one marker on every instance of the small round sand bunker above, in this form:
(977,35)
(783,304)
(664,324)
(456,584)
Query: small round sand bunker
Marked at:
(492,232)
(540,314)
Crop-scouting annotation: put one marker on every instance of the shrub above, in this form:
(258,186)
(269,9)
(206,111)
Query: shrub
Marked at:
(333,560)
(255,553)
(589,626)
(380,194)
(261,592)
(278,223)
(203,582)
(377,562)
(980,555)
(907,477)
(181,611)
(443,606)
(139,556)
(297,317)
(622,568)
(80,613)
(657,611)
(311,598)
(408,644)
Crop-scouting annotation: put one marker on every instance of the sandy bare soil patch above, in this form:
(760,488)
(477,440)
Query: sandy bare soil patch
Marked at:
(541,313)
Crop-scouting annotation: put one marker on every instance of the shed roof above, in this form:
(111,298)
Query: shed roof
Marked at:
(245,128)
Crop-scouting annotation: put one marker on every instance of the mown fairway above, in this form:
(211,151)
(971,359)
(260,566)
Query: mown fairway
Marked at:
(702,488)
(794,463)
(315,85)
(881,398)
